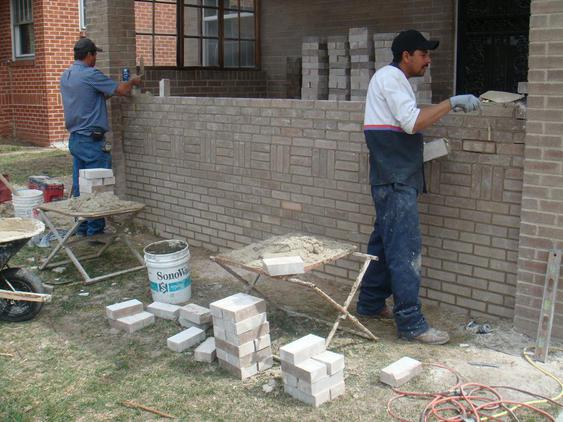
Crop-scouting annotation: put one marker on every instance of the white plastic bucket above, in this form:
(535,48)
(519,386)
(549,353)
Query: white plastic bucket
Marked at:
(169,271)
(26,201)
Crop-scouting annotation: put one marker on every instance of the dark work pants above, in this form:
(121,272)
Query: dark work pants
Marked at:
(396,241)
(87,154)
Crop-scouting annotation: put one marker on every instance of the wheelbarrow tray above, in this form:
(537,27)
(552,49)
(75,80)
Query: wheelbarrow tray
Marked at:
(14,234)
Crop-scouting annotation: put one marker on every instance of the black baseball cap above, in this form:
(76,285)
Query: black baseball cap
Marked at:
(411,40)
(86,45)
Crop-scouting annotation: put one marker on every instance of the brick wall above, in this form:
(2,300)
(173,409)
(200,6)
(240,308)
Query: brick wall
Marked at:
(226,172)
(30,106)
(284,24)
(209,83)
(542,199)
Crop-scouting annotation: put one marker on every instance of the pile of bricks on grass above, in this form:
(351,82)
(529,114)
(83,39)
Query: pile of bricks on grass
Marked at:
(339,68)
(242,335)
(310,373)
(422,86)
(315,69)
(96,180)
(362,66)
(128,316)
(192,315)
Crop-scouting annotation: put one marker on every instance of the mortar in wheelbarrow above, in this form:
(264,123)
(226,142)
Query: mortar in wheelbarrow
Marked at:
(14,234)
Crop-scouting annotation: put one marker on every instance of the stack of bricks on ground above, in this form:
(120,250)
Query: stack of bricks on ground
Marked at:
(129,316)
(242,335)
(315,69)
(96,180)
(310,373)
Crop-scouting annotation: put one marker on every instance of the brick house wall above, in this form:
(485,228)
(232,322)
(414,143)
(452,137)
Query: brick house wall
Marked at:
(284,24)
(32,106)
(227,172)
(542,199)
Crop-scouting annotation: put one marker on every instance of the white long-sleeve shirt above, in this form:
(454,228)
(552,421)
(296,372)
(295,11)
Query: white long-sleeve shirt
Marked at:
(390,102)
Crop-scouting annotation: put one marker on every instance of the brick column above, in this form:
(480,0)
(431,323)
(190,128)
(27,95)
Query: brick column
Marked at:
(542,199)
(111,25)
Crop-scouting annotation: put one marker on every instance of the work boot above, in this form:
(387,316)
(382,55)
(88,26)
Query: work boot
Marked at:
(431,336)
(385,313)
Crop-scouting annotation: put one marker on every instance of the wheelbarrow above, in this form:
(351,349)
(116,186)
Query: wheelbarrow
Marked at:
(22,294)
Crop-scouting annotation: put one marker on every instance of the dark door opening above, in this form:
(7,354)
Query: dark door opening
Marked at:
(492,45)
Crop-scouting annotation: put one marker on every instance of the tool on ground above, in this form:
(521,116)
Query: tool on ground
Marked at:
(548,304)
(135,405)
(8,185)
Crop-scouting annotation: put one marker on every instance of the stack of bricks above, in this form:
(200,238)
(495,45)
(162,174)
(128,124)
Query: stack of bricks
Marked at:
(315,69)
(310,373)
(421,86)
(339,68)
(242,335)
(362,62)
(128,316)
(96,180)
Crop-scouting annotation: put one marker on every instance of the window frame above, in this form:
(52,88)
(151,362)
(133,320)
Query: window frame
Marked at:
(15,32)
(180,37)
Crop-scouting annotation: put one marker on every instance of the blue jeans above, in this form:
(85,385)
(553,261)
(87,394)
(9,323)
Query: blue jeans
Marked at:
(397,242)
(87,154)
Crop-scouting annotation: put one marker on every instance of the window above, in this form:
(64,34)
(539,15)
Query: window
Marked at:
(82,14)
(22,28)
(212,33)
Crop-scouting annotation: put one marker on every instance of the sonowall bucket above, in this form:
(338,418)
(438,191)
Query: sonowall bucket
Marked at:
(169,271)
(26,201)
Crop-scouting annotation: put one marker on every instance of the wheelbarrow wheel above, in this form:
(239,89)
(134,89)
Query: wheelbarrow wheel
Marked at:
(22,281)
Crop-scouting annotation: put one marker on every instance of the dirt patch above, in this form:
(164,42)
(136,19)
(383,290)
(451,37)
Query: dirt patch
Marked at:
(311,249)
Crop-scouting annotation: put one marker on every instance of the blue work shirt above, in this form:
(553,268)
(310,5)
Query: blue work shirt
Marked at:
(84,91)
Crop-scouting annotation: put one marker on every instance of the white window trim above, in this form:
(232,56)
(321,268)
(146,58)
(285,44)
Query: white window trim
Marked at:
(81,15)
(15,39)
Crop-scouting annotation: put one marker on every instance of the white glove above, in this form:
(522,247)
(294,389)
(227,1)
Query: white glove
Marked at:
(466,103)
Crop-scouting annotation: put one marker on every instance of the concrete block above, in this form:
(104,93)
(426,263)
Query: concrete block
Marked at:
(265,364)
(107,181)
(302,349)
(312,400)
(238,328)
(195,313)
(262,342)
(241,373)
(283,265)
(237,340)
(289,379)
(436,148)
(243,361)
(309,370)
(238,307)
(98,173)
(206,351)
(187,324)
(164,88)
(86,188)
(186,339)
(334,361)
(238,351)
(123,309)
(337,390)
(90,183)
(164,310)
(133,323)
(322,384)
(400,371)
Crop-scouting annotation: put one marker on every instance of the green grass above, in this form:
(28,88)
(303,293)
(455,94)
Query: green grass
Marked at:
(49,162)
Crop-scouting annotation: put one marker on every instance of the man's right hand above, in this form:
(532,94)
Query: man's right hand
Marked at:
(466,103)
